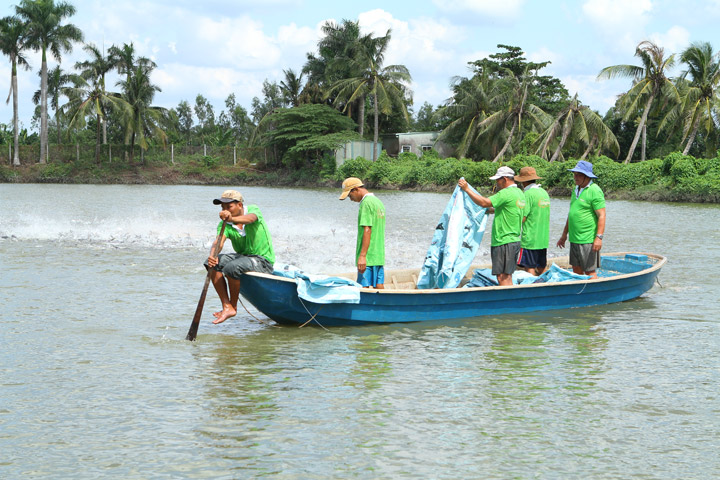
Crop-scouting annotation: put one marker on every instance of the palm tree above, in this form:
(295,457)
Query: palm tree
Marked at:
(12,44)
(469,106)
(577,121)
(650,83)
(385,85)
(141,120)
(701,98)
(98,65)
(45,32)
(512,104)
(58,80)
(88,97)
(337,50)
(291,87)
(124,60)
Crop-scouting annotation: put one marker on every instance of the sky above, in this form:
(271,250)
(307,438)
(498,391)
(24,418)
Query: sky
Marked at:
(219,47)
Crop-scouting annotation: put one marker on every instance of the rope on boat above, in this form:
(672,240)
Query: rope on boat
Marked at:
(312,317)
(253,316)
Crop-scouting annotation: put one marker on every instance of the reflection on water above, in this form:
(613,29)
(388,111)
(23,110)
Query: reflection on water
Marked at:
(97,381)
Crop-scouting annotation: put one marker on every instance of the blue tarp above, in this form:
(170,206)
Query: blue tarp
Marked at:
(482,277)
(320,288)
(454,244)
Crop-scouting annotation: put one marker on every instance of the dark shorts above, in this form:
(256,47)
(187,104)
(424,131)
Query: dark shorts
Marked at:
(533,258)
(505,258)
(235,264)
(372,276)
(582,255)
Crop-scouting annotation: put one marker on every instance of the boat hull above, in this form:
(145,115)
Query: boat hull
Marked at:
(277,298)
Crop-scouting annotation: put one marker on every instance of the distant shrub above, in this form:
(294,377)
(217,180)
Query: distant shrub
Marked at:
(356,167)
(683,168)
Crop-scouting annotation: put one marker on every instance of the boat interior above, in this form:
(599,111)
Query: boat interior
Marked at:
(611,265)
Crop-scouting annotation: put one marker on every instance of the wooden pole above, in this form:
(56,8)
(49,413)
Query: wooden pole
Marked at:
(172,153)
(192,332)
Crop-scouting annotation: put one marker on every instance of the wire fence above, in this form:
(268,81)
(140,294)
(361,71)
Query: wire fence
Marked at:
(113,153)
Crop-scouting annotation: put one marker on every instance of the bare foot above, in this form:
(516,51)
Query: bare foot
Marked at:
(225,314)
(217,314)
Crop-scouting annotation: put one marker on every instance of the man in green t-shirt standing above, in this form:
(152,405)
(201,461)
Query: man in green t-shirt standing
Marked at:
(370,245)
(507,204)
(586,221)
(250,238)
(536,223)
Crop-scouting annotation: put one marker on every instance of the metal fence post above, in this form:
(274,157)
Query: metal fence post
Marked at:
(172,153)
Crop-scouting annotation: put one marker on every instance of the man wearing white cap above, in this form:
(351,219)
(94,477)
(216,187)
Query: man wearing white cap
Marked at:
(585,225)
(507,204)
(250,238)
(370,245)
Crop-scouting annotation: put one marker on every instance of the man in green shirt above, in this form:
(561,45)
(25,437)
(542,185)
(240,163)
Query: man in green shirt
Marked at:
(250,238)
(536,223)
(508,205)
(370,245)
(586,221)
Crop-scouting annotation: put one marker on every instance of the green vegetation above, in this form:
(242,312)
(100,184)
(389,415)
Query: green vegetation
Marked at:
(506,112)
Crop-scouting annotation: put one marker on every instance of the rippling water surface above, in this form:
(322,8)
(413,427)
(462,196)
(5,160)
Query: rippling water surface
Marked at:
(98,286)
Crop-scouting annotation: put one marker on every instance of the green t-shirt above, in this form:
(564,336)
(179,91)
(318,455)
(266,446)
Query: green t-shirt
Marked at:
(372,214)
(507,225)
(256,240)
(582,219)
(536,228)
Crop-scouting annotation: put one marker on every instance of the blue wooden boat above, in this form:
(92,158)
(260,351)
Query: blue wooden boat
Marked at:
(623,276)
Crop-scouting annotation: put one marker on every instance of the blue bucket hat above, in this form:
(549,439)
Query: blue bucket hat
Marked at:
(585,168)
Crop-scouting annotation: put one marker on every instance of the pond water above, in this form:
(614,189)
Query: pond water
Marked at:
(99,284)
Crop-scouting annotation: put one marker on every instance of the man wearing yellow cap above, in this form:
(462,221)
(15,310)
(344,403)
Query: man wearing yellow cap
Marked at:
(250,238)
(370,247)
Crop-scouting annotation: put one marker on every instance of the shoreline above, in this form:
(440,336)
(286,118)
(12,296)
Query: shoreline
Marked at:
(161,175)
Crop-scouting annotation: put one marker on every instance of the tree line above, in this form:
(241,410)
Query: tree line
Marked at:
(345,91)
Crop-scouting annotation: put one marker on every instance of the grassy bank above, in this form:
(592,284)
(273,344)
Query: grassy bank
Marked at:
(675,178)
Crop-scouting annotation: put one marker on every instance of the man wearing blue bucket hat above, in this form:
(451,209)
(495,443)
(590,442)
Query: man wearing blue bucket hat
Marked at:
(586,221)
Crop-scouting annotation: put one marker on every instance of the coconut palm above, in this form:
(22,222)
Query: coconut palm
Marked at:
(45,32)
(12,44)
(57,81)
(124,59)
(98,65)
(140,119)
(88,97)
(511,106)
(291,87)
(700,101)
(338,49)
(384,85)
(577,122)
(649,84)
(469,106)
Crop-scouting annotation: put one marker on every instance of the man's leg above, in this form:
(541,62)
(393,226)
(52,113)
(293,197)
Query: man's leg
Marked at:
(504,279)
(221,287)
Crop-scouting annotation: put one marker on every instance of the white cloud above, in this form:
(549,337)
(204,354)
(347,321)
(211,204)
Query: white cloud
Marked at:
(238,42)
(674,40)
(184,82)
(617,13)
(621,22)
(490,9)
(599,95)
(543,54)
(429,48)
